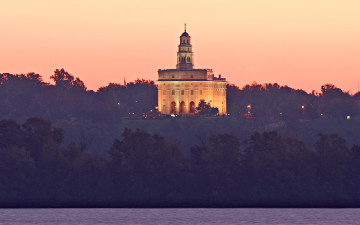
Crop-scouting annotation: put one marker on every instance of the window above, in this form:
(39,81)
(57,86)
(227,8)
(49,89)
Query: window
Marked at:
(173,92)
(164,92)
(173,108)
(182,92)
(192,92)
(182,107)
(200,92)
(192,107)
(172,76)
(192,76)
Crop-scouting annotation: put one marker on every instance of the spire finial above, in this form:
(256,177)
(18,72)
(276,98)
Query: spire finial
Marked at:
(185,27)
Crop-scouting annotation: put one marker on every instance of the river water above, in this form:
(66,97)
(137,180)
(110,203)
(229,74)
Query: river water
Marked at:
(178,216)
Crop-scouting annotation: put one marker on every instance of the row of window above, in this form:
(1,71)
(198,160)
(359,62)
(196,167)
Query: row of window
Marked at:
(182,92)
(177,84)
(182,108)
(185,41)
(191,76)
(185,49)
(184,59)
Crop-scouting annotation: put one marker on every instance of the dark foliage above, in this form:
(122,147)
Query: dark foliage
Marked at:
(145,170)
(27,95)
(95,118)
(41,165)
(24,96)
(205,109)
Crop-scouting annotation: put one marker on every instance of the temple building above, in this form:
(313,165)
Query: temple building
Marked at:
(180,90)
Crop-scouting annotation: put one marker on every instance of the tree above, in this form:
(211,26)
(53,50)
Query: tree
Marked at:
(140,164)
(283,166)
(330,91)
(341,108)
(10,134)
(38,133)
(65,80)
(17,170)
(205,109)
(333,157)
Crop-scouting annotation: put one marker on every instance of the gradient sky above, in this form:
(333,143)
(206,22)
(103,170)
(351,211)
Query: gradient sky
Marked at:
(299,43)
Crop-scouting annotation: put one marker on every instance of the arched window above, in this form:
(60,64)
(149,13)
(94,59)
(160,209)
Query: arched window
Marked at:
(188,59)
(173,108)
(164,109)
(192,107)
(182,107)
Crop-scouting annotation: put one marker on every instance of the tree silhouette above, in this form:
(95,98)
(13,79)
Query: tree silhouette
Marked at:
(205,109)
(65,80)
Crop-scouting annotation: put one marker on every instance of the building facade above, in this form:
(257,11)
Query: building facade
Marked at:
(180,90)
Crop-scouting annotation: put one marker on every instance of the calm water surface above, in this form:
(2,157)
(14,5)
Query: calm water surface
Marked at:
(179,216)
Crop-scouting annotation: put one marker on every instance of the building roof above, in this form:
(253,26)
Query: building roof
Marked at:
(185,34)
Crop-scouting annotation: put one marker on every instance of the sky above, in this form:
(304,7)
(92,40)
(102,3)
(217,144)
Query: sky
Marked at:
(300,43)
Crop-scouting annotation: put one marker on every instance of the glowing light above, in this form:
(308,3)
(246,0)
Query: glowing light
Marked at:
(303,107)
(347,117)
(248,107)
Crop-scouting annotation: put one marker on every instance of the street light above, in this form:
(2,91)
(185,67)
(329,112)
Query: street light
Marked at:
(248,107)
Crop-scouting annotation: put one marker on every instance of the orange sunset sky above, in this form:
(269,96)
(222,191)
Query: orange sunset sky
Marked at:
(299,43)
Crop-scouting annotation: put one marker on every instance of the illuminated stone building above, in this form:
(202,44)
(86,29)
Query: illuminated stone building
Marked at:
(180,90)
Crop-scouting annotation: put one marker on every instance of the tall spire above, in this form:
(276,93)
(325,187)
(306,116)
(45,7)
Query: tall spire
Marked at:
(185,56)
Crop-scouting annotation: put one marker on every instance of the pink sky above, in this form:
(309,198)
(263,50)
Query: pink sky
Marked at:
(299,43)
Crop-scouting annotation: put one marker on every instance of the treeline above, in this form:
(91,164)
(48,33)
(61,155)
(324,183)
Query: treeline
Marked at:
(147,170)
(27,95)
(283,102)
